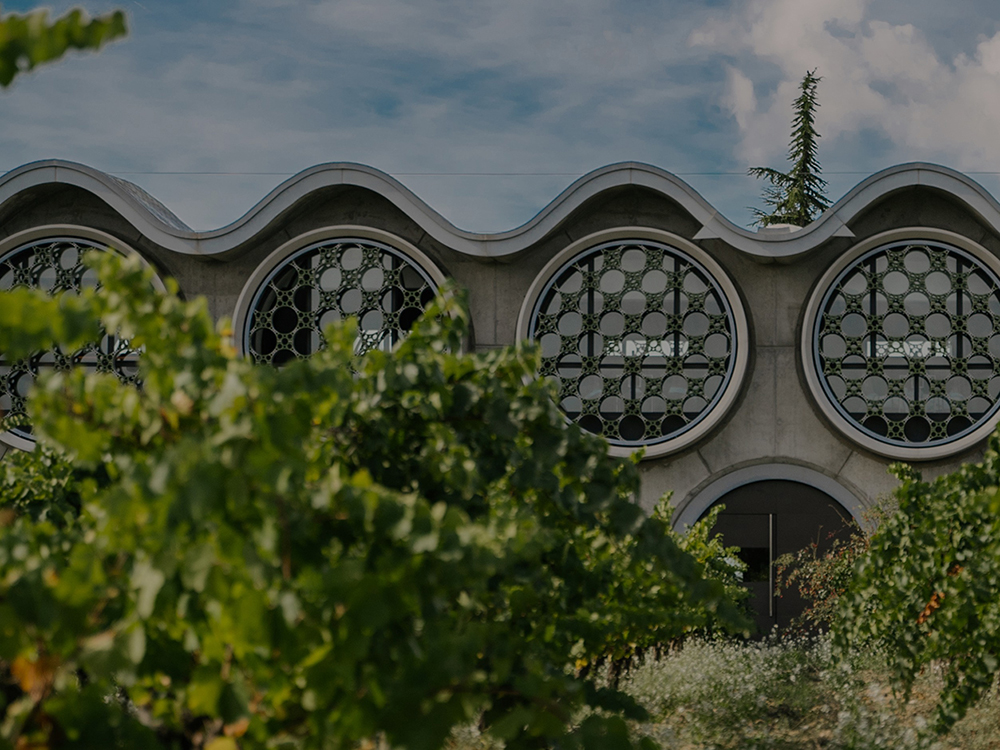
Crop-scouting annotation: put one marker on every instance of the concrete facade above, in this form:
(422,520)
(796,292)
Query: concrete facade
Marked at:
(775,428)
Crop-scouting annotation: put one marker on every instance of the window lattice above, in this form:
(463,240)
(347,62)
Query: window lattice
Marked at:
(639,338)
(331,280)
(54,265)
(907,343)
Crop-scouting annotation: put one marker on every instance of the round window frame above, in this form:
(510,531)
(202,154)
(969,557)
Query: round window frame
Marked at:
(809,348)
(714,415)
(54,232)
(288,250)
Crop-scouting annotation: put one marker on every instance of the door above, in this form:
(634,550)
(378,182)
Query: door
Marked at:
(753,533)
(771,518)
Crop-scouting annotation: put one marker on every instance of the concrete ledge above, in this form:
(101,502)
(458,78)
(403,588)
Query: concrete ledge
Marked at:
(157,223)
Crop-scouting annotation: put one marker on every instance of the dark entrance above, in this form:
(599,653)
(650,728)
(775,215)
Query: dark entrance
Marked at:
(768,519)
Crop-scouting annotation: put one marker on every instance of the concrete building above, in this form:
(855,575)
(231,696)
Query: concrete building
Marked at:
(780,371)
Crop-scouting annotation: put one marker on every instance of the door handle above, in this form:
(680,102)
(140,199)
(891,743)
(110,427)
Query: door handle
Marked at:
(770,565)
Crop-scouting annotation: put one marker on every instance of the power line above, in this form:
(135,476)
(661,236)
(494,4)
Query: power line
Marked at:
(394,174)
(465,174)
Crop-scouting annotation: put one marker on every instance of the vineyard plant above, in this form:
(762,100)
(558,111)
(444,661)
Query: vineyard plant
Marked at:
(348,549)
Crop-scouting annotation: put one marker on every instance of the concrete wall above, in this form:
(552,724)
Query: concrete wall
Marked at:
(774,430)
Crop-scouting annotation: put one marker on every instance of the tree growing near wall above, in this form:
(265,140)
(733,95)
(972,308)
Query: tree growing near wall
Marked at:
(928,589)
(313,556)
(31,39)
(797,196)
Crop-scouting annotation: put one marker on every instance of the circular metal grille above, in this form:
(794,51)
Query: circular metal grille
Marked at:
(328,281)
(54,265)
(907,343)
(639,338)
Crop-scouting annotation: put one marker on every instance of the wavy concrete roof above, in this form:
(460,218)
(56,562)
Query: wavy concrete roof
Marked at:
(155,221)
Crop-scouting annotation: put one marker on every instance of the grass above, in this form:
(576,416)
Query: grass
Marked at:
(785,695)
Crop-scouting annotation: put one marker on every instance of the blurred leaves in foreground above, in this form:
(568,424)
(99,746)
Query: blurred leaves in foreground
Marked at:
(31,39)
(346,548)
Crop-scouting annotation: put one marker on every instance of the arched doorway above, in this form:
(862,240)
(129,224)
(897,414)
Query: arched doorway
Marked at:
(767,519)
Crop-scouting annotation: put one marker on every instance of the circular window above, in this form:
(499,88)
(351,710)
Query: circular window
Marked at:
(54,264)
(326,282)
(906,345)
(642,340)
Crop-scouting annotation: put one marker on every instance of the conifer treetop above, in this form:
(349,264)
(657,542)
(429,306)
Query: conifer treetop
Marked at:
(799,195)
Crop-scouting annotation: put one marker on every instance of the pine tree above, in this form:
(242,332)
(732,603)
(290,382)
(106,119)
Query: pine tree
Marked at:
(798,196)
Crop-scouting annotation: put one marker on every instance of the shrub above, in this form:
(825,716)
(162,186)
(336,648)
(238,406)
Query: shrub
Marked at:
(719,563)
(789,693)
(926,591)
(309,557)
(822,577)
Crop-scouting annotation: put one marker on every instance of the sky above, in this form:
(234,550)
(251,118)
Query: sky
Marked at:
(488,110)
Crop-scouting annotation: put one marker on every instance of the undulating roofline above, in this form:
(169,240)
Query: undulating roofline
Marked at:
(159,224)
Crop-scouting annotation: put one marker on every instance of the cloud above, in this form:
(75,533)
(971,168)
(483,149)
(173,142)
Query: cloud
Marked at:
(465,86)
(596,41)
(402,85)
(739,97)
(877,76)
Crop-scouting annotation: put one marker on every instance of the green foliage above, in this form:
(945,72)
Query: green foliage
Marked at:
(926,591)
(796,197)
(821,578)
(30,39)
(721,563)
(309,557)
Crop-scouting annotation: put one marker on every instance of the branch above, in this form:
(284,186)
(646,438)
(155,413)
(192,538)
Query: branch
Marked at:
(772,175)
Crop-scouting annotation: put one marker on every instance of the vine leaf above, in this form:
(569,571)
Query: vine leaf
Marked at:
(30,39)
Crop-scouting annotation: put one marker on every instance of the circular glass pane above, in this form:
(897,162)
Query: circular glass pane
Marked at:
(331,280)
(915,323)
(56,265)
(665,344)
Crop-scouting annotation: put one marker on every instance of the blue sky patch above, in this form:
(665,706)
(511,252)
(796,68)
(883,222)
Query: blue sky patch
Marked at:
(488,110)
